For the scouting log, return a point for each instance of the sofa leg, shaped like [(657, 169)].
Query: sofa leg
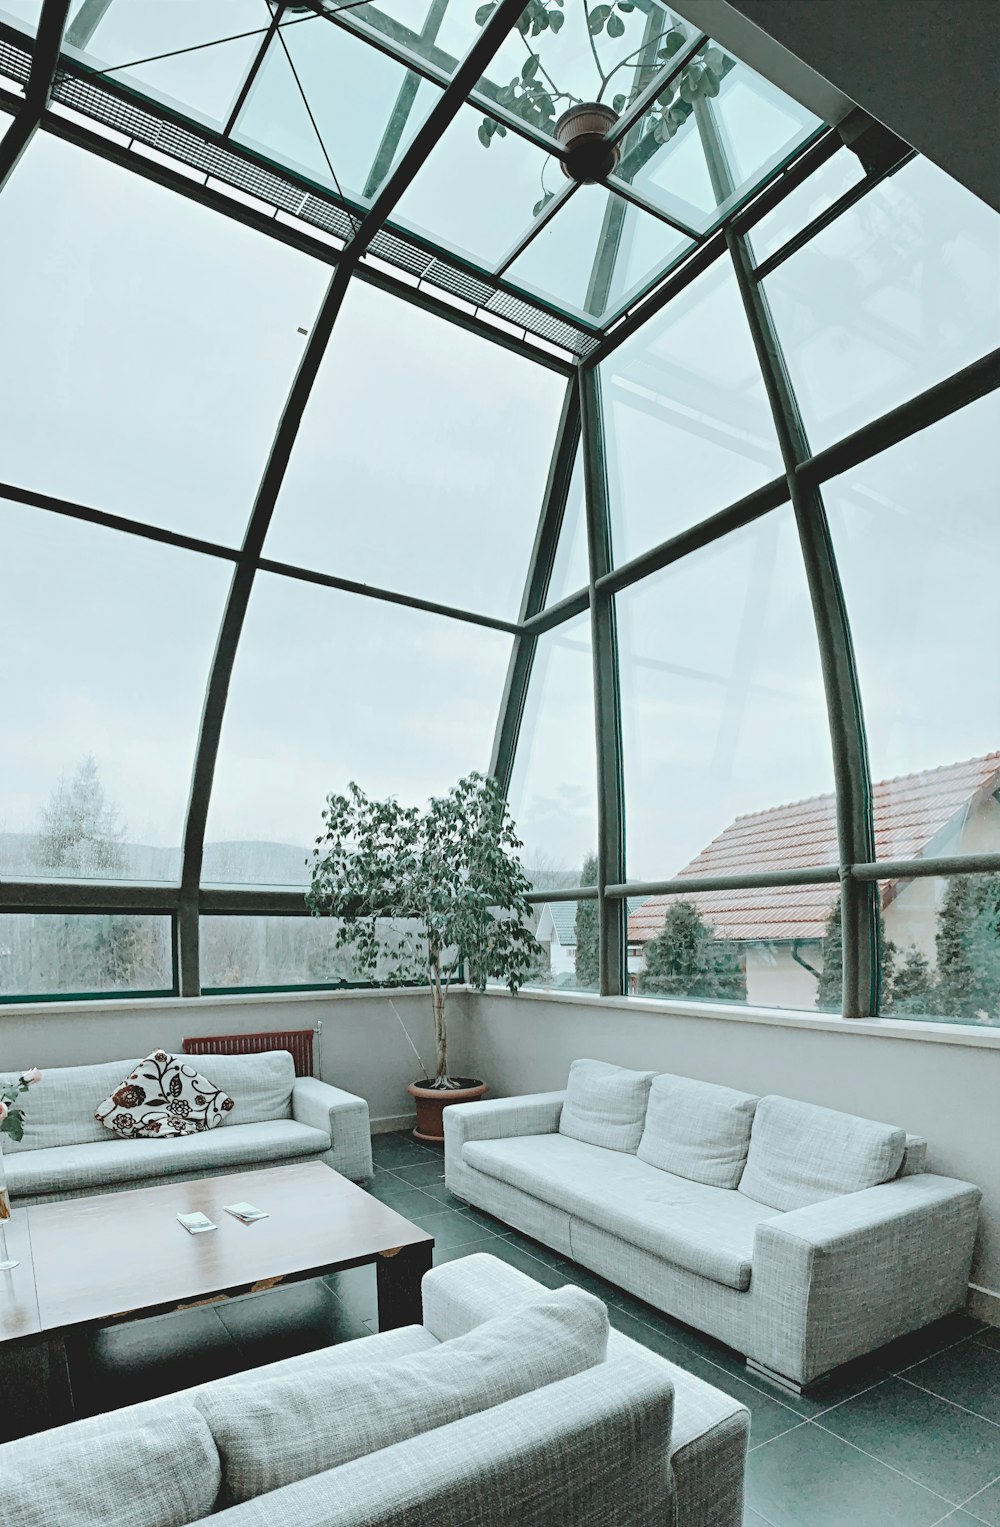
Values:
[(789, 1385)]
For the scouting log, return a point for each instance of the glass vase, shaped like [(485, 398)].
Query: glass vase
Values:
[(6, 1262)]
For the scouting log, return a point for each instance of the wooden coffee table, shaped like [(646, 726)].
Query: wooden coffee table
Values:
[(89, 1262)]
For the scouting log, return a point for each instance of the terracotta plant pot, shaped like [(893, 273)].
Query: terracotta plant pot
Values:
[(585, 155), (432, 1101)]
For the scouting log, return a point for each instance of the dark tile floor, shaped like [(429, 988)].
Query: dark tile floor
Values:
[(909, 1438)]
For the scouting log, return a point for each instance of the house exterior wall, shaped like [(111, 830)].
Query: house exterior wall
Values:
[(775, 979)]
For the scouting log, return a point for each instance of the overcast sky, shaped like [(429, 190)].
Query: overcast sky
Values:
[(148, 347)]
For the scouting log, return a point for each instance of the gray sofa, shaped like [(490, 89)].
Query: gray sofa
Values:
[(453, 1422), (278, 1118), (799, 1236)]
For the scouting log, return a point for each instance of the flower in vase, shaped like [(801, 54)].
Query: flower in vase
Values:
[(4, 1110)]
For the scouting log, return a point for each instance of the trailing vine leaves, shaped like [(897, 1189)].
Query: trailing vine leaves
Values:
[(450, 872), (534, 96)]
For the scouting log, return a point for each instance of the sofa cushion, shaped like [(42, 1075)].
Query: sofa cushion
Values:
[(605, 1105), (697, 1130), (709, 1231), (261, 1085), (65, 1169), (800, 1154), (162, 1097), (154, 1474), (271, 1434), (60, 1109)]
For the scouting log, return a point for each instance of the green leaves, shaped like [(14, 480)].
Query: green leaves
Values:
[(615, 26), (618, 103), (598, 16), (542, 203), (530, 67), (484, 13)]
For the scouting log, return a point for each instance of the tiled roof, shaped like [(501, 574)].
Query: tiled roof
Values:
[(910, 812)]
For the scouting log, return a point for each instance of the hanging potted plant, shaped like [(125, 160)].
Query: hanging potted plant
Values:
[(435, 896)]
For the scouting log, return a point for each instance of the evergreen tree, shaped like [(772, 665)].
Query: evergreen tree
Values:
[(82, 835), (913, 988), (968, 948), (830, 991), (588, 965), (685, 959), (81, 831)]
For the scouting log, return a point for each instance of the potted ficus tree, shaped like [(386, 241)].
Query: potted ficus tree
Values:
[(435, 896)]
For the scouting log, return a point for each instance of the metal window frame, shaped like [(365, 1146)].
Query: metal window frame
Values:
[(858, 870)]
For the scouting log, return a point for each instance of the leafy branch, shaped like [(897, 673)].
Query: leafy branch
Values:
[(534, 95)]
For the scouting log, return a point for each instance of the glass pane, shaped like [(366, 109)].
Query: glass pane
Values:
[(918, 543), (108, 641), (714, 104), (333, 108), (723, 712), (689, 430), (597, 254), (807, 201), (571, 568), (567, 933), (50, 955), (475, 199), (900, 291), (765, 948), (24, 14), (553, 791), (193, 57), (439, 31), (403, 473), (331, 687), (584, 54), (282, 951), (943, 955), (150, 351)]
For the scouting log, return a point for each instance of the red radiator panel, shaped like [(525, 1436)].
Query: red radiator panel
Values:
[(298, 1041)]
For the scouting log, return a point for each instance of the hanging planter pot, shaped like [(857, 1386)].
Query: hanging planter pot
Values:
[(585, 155)]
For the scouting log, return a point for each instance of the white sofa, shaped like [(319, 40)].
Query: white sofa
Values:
[(454, 1422), (278, 1118), (799, 1236)]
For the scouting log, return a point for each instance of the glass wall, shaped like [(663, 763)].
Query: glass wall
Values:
[(735, 663)]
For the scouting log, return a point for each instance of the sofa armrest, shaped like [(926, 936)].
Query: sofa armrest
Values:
[(460, 1295), (537, 1113), (842, 1277), (340, 1115)]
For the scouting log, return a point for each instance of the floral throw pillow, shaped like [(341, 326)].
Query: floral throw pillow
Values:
[(163, 1098)]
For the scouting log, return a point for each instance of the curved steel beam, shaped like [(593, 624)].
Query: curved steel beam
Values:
[(536, 587), (206, 754)]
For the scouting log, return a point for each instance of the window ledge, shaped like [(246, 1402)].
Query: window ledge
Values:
[(970, 1035), (120, 1001)]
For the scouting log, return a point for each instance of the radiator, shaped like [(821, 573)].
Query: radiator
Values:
[(298, 1041)]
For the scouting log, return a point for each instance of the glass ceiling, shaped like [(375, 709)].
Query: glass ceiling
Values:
[(326, 452), (334, 93)]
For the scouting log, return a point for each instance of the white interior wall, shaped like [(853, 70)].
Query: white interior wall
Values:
[(936, 1080), (363, 1047)]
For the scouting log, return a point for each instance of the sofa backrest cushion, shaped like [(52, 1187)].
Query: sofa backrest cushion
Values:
[(272, 1433), (605, 1105), (59, 1110), (697, 1130), (800, 1154), (158, 1473), (259, 1085)]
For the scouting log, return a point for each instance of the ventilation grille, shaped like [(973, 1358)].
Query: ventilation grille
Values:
[(101, 103)]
